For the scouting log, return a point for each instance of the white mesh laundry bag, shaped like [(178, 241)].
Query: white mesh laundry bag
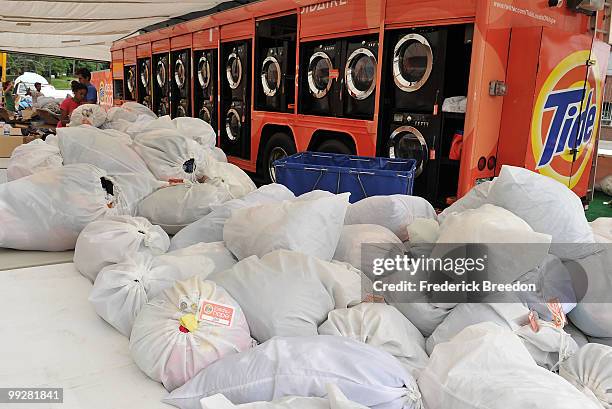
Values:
[(109, 241), (47, 211), (231, 177), (590, 371), (602, 229), (218, 154), (286, 293), (88, 114), (552, 280), (423, 231), (118, 136), (423, 315), (170, 155), (511, 245), (486, 366), (121, 289), (86, 144), (33, 157), (303, 366), (475, 198), (210, 227), (395, 212), (548, 346), (549, 207), (138, 109), (196, 129), (221, 257), (382, 326), (175, 206), (593, 313), (361, 244), (185, 329), (335, 399), (312, 227)]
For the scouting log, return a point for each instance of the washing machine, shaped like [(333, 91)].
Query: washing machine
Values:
[(129, 78), (144, 82), (181, 83), (235, 117), (276, 85), (320, 88), (205, 86), (360, 75), (416, 65), (417, 136), (161, 84)]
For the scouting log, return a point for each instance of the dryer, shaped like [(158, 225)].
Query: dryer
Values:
[(181, 83), (416, 64), (417, 136), (205, 86), (321, 87), (161, 84), (235, 117), (360, 77), (275, 88), (144, 82), (129, 78)]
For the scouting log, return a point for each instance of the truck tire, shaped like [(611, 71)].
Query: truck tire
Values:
[(280, 145), (334, 146)]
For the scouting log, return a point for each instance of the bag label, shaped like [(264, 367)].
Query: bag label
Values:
[(216, 313)]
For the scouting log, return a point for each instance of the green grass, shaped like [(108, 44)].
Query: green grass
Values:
[(61, 83), (597, 208)]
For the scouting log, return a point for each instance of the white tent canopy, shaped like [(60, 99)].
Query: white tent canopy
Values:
[(82, 28)]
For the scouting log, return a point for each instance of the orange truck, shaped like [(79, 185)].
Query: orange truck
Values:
[(462, 87)]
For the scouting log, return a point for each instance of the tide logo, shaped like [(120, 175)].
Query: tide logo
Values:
[(566, 119), (101, 91)]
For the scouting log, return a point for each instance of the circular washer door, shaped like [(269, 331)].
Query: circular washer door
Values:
[(204, 114), (233, 124), (412, 62), (270, 76), (233, 70), (408, 142), (203, 72), (319, 81), (179, 73), (131, 80), (360, 74), (144, 75), (161, 73)]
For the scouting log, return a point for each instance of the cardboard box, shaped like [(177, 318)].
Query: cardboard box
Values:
[(16, 132), (8, 144)]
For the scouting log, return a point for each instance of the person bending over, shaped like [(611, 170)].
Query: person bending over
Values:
[(71, 103)]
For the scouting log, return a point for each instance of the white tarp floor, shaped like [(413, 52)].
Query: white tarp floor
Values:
[(51, 337), (11, 259)]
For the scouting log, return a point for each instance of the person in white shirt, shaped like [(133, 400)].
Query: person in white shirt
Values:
[(36, 93)]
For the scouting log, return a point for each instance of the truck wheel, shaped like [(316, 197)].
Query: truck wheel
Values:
[(334, 146), (280, 145)]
